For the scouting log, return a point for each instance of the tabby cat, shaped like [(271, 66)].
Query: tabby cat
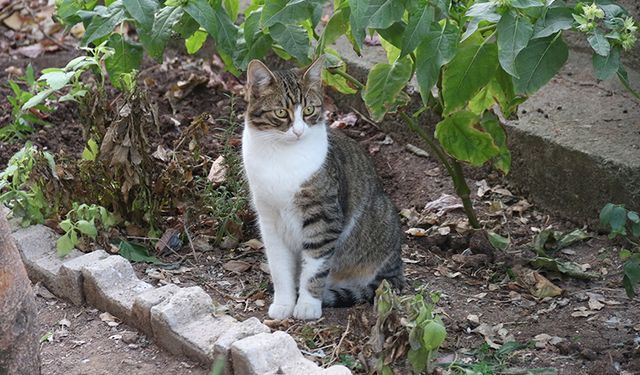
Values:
[(331, 233)]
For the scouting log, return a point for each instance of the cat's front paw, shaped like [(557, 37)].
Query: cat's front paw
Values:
[(308, 310), (280, 312)]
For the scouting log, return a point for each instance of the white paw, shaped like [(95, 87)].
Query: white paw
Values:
[(280, 312), (308, 310)]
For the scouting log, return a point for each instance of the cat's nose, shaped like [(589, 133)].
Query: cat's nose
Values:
[(298, 132)]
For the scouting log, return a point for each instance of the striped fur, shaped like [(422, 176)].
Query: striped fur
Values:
[(331, 233)]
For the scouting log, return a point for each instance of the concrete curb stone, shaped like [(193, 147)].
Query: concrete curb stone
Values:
[(70, 275)]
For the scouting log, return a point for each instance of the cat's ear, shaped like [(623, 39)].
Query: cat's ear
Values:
[(258, 76), (313, 74)]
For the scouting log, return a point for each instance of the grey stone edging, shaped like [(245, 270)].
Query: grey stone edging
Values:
[(180, 320)]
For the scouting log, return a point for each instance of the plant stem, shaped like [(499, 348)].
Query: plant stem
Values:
[(348, 77), (453, 167)]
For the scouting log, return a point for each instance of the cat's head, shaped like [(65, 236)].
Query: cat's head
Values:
[(284, 104)]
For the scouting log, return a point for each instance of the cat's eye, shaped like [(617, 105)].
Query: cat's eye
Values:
[(281, 113), (308, 110)]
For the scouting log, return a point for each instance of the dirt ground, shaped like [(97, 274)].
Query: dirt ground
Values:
[(593, 327)]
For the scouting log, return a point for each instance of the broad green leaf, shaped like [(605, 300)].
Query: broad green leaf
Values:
[(392, 51), (469, 71), (461, 138), (618, 218), (142, 11), (565, 267), (232, 7), (434, 335), (64, 244), (195, 41), (127, 58), (385, 82), (624, 79), (491, 125), (499, 242), (37, 99), (65, 225), (90, 152), (631, 277), (633, 217), (539, 62), (375, 14), (420, 20), (605, 213), (258, 49), (155, 41), (293, 39), (87, 228), (217, 23), (484, 12), (599, 43), (103, 25), (186, 25), (285, 12), (513, 36), (252, 26), (606, 67), (136, 253), (419, 359), (335, 80), (437, 48), (556, 19), (56, 79), (570, 238), (336, 27), (523, 4)]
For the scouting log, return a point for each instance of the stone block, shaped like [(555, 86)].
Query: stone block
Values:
[(70, 276), (222, 347), (266, 353), (37, 245), (111, 285), (144, 301), (184, 324)]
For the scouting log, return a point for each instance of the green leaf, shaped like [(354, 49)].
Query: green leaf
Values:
[(155, 41), (285, 12), (539, 62), (142, 11), (375, 14), (599, 43), (90, 152), (461, 138), (216, 22), (127, 57), (336, 27), (56, 79), (65, 225), (437, 48), (633, 217), (37, 99), (523, 4), (565, 267), (232, 7), (469, 71), (136, 253), (419, 26), (606, 67), (556, 19), (64, 244), (570, 238), (434, 335), (605, 214), (252, 26), (491, 125), (87, 228), (513, 36), (103, 25), (618, 218), (385, 82), (392, 51), (624, 79), (631, 277), (293, 39), (499, 242), (195, 41)]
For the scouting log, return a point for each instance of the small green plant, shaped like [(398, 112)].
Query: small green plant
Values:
[(23, 121), (625, 223), (228, 201), (406, 324), (82, 220), (489, 361), (23, 193)]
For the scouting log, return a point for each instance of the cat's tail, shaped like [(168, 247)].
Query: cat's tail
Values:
[(349, 296)]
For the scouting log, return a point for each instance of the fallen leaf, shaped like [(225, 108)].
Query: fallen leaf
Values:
[(443, 204), (474, 319), (443, 231), (483, 188), (582, 312), (344, 120), (31, 51), (416, 232), (494, 336), (237, 266), (538, 285), (416, 150), (109, 319), (218, 171), (15, 21), (254, 244), (162, 153), (520, 207), (169, 242), (543, 339), (595, 301)]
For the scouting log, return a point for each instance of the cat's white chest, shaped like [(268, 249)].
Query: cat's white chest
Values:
[(276, 170)]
